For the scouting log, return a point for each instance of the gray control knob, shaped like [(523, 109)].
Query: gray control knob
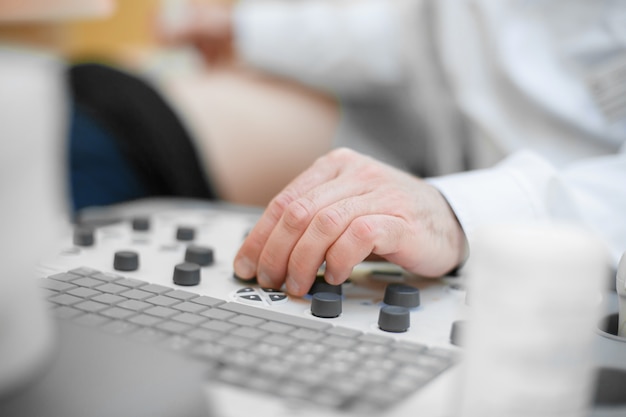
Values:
[(185, 233), (395, 319), (319, 285), (84, 236), (126, 260), (187, 274), (141, 224), (402, 295), (200, 255), (326, 305)]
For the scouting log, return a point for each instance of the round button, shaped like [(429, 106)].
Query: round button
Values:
[(326, 305), (200, 255), (187, 274), (84, 236), (126, 261), (185, 233), (402, 295), (395, 319), (141, 224), (323, 286)]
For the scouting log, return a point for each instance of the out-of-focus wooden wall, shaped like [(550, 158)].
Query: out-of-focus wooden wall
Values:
[(124, 36)]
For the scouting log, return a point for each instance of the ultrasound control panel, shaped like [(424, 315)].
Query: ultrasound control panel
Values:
[(192, 247), (162, 272)]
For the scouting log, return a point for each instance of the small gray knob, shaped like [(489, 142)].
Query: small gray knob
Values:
[(84, 236), (185, 233), (141, 224), (187, 274), (200, 255), (126, 260), (402, 295), (326, 305), (395, 319)]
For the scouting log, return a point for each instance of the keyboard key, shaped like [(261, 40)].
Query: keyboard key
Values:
[(136, 294), (84, 292), (65, 299), (130, 282), (189, 318), (59, 286), (207, 301), (106, 276), (144, 320), (87, 282), (64, 277), (111, 288), (181, 295), (188, 307), (108, 299), (84, 271), (161, 300), (91, 306), (118, 313), (156, 289), (162, 312), (134, 305)]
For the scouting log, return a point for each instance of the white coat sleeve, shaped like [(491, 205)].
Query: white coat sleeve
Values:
[(526, 188), (345, 47)]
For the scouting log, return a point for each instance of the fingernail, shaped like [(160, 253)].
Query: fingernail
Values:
[(292, 286), (329, 278), (244, 268), (264, 280)]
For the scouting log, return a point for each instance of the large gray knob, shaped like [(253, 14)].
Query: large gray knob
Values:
[(319, 285), (395, 319), (326, 305), (402, 295), (200, 255), (187, 274), (126, 260)]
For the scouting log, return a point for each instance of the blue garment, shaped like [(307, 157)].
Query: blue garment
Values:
[(99, 173)]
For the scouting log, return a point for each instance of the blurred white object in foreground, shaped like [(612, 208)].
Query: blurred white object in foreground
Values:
[(534, 300), (32, 120), (620, 285)]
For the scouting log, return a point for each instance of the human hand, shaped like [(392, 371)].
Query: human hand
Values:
[(342, 209), (207, 26)]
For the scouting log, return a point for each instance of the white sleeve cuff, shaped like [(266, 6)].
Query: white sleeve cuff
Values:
[(514, 191)]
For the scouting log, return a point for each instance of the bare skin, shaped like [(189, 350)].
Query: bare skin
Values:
[(341, 210), (209, 27)]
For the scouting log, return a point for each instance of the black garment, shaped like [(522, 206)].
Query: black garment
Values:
[(148, 137)]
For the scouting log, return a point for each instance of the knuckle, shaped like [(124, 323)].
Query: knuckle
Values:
[(341, 154), (280, 203), (328, 221), (297, 215), (370, 172), (362, 230)]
